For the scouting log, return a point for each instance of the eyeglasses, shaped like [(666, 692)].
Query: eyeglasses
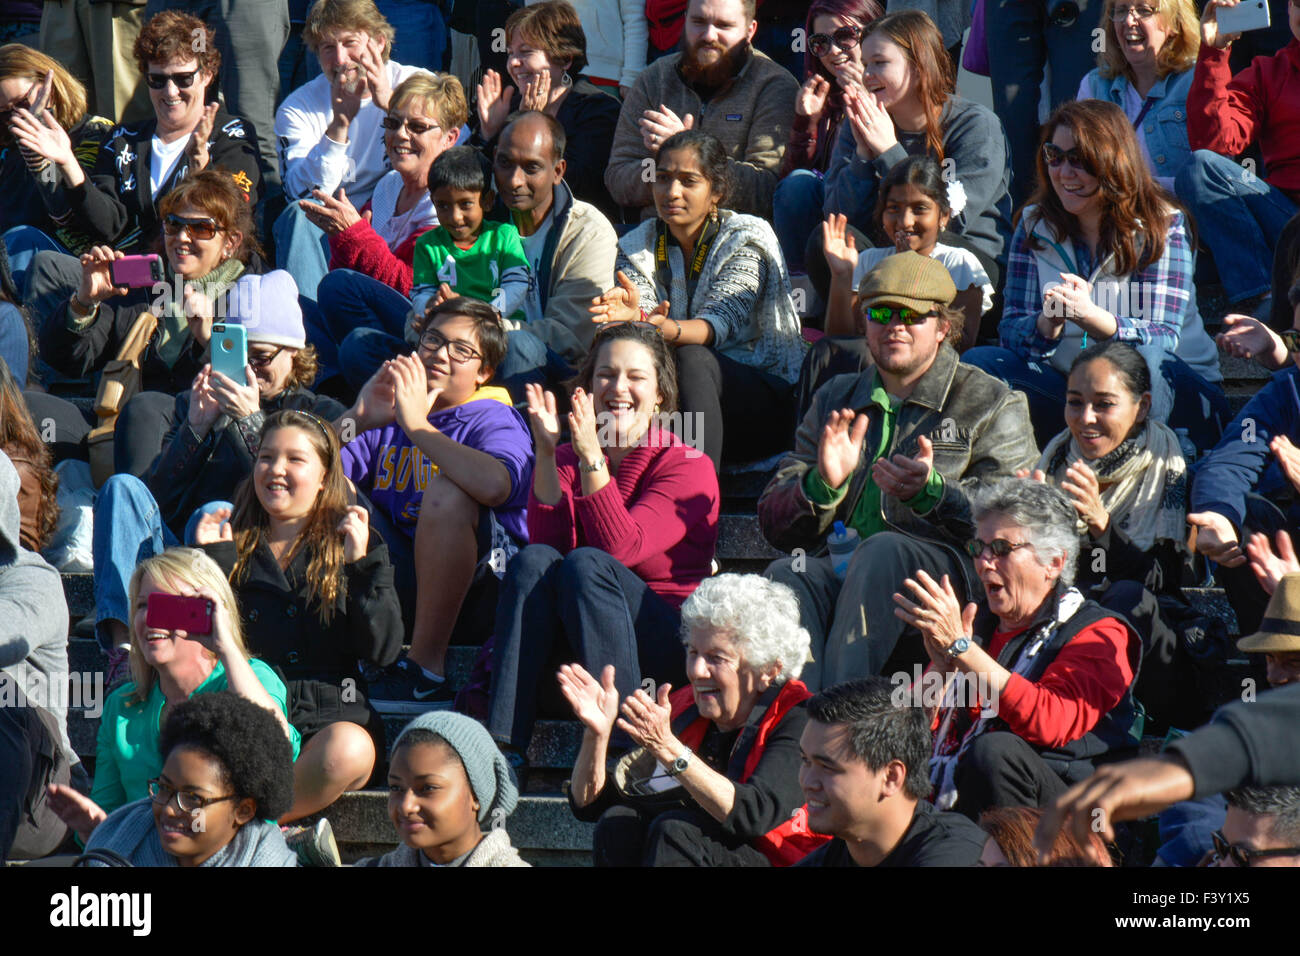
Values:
[(263, 359), (183, 81), (162, 794), (1120, 14), (1243, 855), (1000, 547), (460, 353), (883, 315), (846, 38), (200, 229), (22, 103), (417, 128), (1054, 156)]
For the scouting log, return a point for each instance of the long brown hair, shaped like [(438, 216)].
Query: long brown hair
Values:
[(320, 537), (1012, 828), (936, 80), (21, 441), (1135, 211)]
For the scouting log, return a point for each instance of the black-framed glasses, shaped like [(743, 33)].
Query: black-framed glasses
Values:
[(200, 229), (1000, 547), (394, 123), (183, 81), (162, 794), (884, 314), (460, 352), (1120, 13), (846, 38), (263, 359), (1291, 337), (1243, 855), (1053, 155)]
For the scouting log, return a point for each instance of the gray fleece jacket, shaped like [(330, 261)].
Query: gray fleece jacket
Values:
[(33, 614), (493, 850)]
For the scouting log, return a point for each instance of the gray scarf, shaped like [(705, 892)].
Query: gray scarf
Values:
[(130, 832)]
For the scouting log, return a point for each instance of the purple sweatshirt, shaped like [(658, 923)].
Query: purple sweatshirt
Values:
[(393, 472)]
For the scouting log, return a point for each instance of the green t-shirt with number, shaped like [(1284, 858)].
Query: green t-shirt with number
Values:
[(493, 270)]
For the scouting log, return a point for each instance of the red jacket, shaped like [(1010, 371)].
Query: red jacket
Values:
[(1262, 102), (361, 249), (792, 840)]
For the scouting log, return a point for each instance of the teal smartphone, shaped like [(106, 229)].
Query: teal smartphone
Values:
[(229, 351)]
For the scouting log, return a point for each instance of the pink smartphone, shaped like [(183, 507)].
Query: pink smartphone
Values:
[(136, 272), (176, 612)]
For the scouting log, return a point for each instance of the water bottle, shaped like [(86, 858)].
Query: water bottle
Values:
[(842, 543)]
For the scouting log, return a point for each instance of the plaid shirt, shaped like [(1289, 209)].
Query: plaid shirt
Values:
[(1165, 291)]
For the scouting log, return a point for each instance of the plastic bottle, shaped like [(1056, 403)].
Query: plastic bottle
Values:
[(842, 543)]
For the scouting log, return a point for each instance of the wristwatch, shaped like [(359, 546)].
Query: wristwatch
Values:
[(959, 647), (596, 464), (681, 763)]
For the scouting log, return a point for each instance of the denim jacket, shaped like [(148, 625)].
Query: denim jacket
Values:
[(1164, 128)]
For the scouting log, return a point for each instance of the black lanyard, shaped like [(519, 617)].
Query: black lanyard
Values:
[(664, 273), (1146, 105)]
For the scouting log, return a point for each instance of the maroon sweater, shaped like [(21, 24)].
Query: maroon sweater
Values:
[(1227, 113), (363, 250), (658, 515)]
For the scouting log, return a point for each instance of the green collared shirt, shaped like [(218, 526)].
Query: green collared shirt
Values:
[(869, 517)]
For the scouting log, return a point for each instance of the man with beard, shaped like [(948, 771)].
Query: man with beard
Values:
[(892, 452), (328, 130), (720, 84)]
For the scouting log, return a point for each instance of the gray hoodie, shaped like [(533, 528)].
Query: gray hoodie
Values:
[(33, 614)]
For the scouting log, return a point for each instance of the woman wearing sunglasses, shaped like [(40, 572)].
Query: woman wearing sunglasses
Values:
[(1103, 253), (832, 64), (1047, 691)]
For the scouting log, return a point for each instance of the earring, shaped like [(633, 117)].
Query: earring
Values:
[(656, 408), (565, 79), (713, 212)]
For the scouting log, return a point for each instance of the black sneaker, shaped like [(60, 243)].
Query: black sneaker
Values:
[(403, 689)]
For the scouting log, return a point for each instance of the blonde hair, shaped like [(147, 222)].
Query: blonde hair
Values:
[(359, 15), (67, 95), (197, 570), (440, 92), (1179, 50)]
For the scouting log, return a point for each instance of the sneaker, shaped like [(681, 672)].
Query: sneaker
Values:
[(315, 846), (403, 689)]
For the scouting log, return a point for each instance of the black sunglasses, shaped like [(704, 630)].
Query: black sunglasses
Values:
[(183, 81), (263, 359), (1000, 547), (1054, 156), (884, 314), (200, 229), (846, 38), (1242, 855)]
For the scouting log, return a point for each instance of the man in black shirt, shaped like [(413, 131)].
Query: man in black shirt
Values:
[(864, 777)]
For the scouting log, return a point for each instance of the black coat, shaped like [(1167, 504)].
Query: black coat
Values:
[(282, 626), (190, 472)]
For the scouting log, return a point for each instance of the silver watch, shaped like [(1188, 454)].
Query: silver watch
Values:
[(681, 763), (596, 464)]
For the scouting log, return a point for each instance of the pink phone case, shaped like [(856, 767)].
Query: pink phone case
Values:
[(135, 272), (176, 612)]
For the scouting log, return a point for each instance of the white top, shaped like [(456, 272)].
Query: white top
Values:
[(163, 158), (392, 227), (533, 246), (310, 160), (962, 264)]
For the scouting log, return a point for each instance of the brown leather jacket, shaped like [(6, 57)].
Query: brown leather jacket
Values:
[(980, 430)]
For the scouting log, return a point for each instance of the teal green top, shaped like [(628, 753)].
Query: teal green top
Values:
[(869, 516), (126, 751)]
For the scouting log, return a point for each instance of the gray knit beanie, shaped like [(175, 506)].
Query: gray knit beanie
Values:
[(489, 774)]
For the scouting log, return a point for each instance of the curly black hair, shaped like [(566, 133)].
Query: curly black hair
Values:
[(245, 738)]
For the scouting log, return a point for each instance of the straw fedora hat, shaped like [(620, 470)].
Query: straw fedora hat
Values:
[(1279, 631)]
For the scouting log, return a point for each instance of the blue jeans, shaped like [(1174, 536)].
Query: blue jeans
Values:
[(128, 529), (1197, 405), (528, 359), (585, 607), (302, 249), (422, 38), (1240, 216), (797, 212), (350, 301), (23, 242)]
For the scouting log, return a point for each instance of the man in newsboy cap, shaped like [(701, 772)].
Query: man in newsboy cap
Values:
[(893, 452)]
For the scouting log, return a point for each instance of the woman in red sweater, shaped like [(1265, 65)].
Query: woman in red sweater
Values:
[(622, 523), (1031, 707)]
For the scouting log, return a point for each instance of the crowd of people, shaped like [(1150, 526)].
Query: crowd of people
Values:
[(370, 331)]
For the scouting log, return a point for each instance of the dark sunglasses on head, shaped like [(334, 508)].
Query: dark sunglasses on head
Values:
[(846, 38), (1243, 855), (415, 126), (1054, 156), (1000, 547), (197, 228), (883, 315), (183, 81)]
